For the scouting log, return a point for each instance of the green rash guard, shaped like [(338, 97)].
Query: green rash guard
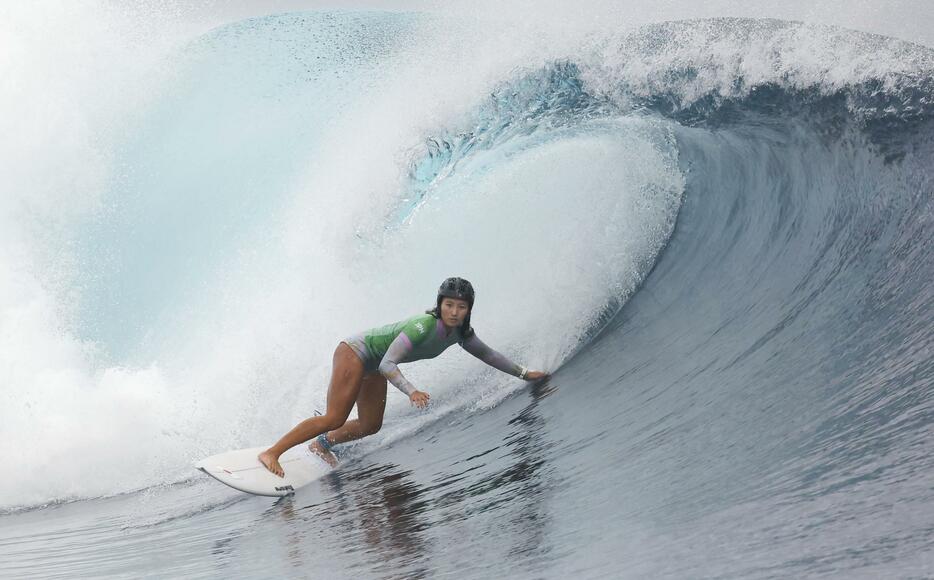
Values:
[(417, 338)]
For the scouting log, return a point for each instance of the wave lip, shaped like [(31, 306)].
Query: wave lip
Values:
[(688, 68)]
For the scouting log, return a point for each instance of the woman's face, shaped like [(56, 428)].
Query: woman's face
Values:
[(453, 311)]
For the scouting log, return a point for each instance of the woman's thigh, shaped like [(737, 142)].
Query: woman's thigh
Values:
[(346, 380), (371, 402)]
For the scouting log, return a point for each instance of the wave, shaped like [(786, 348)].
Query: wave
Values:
[(747, 188)]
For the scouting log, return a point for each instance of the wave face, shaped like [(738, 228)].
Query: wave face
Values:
[(774, 369), (719, 231)]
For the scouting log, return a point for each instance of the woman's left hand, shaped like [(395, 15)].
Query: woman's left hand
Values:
[(536, 375)]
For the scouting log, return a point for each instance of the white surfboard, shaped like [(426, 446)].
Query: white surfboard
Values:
[(242, 470)]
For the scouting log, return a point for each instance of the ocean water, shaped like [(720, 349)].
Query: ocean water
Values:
[(715, 232)]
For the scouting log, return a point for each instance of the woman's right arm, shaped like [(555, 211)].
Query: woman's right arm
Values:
[(389, 368)]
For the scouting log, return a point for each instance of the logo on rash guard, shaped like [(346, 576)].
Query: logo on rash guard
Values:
[(420, 327)]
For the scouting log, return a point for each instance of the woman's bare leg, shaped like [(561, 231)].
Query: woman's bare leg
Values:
[(346, 379), (371, 403)]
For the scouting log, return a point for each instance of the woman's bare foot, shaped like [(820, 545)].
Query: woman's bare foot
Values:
[(323, 453), (271, 462)]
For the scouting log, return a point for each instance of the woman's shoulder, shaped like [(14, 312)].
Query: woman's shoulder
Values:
[(418, 326), (466, 334), (425, 318)]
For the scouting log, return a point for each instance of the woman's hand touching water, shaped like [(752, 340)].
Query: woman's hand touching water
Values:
[(419, 399), (536, 375)]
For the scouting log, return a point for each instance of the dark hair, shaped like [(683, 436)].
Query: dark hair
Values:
[(466, 329)]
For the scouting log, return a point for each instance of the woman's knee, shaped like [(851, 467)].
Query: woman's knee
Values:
[(372, 427), (332, 422)]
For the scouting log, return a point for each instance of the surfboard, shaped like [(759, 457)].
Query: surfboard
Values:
[(241, 470)]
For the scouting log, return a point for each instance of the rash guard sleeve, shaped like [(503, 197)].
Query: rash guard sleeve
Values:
[(476, 347), (413, 333), (389, 366)]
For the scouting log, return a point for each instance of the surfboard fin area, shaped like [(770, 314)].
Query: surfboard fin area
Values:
[(241, 470)]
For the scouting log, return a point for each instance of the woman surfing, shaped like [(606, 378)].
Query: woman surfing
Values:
[(364, 362)]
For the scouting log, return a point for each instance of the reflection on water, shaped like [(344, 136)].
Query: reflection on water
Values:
[(384, 519)]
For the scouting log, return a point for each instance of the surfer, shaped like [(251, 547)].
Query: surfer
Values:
[(363, 363)]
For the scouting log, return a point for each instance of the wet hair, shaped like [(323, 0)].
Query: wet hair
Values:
[(466, 329)]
